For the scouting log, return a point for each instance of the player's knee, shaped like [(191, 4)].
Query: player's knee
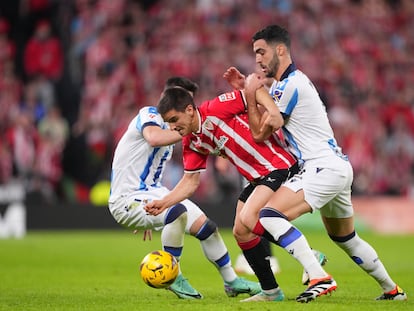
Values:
[(206, 230), (175, 212), (271, 212), (342, 239)]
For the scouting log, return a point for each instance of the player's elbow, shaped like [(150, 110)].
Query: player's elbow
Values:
[(154, 143), (260, 136)]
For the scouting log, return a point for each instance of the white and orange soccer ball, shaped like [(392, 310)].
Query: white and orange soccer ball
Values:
[(159, 269)]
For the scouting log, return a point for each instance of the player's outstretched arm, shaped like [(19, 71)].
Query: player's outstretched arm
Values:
[(183, 190), (264, 116), (156, 136)]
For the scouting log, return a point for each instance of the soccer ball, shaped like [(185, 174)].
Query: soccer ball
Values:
[(159, 269)]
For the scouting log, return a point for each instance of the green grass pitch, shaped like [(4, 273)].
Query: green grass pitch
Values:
[(98, 270)]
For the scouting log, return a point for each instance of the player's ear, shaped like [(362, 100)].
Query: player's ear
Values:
[(189, 108), (281, 49)]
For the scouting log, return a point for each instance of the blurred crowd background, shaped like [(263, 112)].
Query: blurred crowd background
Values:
[(74, 72)]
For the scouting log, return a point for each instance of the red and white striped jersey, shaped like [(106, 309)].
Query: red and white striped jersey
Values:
[(224, 131)]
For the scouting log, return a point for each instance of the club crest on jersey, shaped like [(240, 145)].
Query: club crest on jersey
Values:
[(208, 125), (277, 94), (197, 142), (227, 97)]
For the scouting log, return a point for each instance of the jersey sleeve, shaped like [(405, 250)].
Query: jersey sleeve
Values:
[(193, 161), (148, 116)]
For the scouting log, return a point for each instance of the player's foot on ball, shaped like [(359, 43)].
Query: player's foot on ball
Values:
[(317, 287), (396, 294), (182, 288), (241, 286), (262, 296), (321, 257)]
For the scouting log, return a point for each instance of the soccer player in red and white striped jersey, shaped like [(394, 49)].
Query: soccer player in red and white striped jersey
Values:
[(220, 127)]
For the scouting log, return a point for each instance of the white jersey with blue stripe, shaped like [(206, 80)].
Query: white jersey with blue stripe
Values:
[(136, 165), (307, 130)]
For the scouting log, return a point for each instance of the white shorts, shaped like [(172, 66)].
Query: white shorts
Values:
[(326, 183), (129, 210)]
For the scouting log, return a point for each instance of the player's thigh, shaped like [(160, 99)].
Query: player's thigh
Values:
[(249, 214), (289, 201), (131, 214), (338, 214)]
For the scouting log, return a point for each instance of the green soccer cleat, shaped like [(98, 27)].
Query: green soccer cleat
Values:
[(241, 286), (278, 296), (182, 288), (396, 294)]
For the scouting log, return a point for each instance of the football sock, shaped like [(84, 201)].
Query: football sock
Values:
[(257, 257), (267, 247), (366, 257), (215, 250), (291, 239), (172, 235)]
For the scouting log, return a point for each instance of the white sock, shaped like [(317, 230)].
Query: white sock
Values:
[(295, 243), (216, 252), (366, 257), (172, 236)]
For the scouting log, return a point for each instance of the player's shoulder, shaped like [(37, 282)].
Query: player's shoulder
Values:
[(146, 116), (147, 110), (295, 80)]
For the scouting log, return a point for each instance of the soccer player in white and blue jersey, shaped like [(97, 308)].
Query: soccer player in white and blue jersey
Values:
[(325, 181), (139, 161)]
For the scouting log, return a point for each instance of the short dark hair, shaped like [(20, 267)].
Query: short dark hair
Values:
[(273, 34), (181, 82), (174, 98)]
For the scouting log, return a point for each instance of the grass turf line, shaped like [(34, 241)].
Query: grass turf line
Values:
[(98, 270)]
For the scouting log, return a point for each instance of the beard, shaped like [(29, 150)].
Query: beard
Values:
[(273, 67)]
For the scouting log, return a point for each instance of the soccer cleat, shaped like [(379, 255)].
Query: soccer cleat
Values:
[(396, 294), (278, 296), (241, 286), (321, 257), (182, 288), (317, 287)]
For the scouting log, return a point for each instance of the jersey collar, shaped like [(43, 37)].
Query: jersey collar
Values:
[(288, 71), (199, 122)]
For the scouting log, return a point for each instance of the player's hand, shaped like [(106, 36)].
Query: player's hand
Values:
[(235, 78), (253, 82), (270, 121), (147, 234), (154, 207)]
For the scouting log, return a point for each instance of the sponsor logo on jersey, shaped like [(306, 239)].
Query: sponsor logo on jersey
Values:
[(227, 97), (220, 144), (151, 116)]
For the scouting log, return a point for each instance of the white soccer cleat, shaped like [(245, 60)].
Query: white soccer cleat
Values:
[(317, 287)]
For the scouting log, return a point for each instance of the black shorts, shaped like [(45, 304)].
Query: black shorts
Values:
[(273, 180)]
